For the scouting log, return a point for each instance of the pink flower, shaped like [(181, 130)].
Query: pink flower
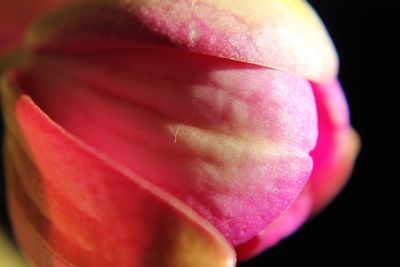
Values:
[(171, 133)]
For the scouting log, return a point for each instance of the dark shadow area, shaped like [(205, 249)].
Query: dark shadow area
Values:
[(4, 222), (361, 226)]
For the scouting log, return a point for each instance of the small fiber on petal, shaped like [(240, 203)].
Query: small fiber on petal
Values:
[(78, 208), (229, 139)]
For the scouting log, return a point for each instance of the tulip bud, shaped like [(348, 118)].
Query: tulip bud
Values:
[(171, 133)]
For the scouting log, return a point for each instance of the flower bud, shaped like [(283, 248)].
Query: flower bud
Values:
[(169, 133)]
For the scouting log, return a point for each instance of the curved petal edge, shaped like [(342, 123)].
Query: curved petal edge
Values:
[(334, 158), (285, 35), (77, 208)]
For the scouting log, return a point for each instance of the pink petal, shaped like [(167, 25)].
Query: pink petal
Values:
[(336, 149), (74, 207), (230, 140), (334, 156), (281, 228), (285, 35)]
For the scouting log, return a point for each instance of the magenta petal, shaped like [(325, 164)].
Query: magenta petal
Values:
[(333, 157), (229, 139), (337, 146), (281, 228)]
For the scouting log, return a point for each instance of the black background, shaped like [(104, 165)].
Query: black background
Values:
[(361, 225)]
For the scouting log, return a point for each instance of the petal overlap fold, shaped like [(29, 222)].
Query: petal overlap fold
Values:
[(79, 208), (334, 157), (286, 35), (229, 139)]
